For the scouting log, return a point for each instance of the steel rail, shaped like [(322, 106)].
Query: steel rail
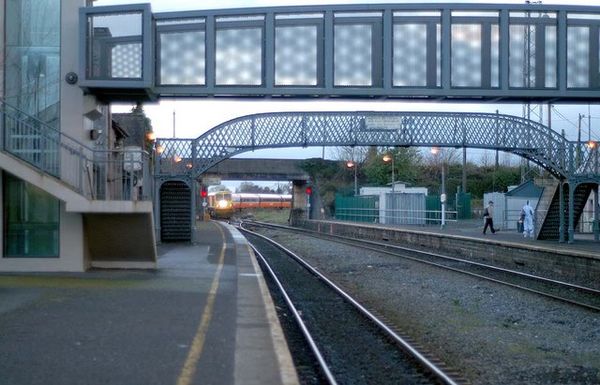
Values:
[(420, 358), (380, 247), (309, 338)]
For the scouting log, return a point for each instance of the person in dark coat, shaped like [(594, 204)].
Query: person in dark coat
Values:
[(488, 218)]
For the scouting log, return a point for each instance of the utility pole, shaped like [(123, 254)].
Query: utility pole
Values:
[(578, 155), (589, 124), (173, 124), (464, 171)]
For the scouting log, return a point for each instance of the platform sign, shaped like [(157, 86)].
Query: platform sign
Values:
[(383, 123)]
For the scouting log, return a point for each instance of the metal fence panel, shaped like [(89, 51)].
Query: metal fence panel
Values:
[(357, 209), (404, 209)]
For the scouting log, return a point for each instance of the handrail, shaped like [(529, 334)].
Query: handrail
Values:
[(4, 104), (121, 174)]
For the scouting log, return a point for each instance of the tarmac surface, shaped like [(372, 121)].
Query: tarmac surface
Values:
[(201, 318)]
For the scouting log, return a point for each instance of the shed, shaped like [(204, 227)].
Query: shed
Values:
[(516, 199)]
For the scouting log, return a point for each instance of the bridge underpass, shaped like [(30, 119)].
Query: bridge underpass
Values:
[(426, 51)]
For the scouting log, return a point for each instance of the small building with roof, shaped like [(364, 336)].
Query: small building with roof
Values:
[(515, 199)]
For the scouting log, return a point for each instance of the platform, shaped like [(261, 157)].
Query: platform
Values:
[(204, 317), (584, 243)]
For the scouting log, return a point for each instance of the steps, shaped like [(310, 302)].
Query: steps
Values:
[(175, 203), (551, 221)]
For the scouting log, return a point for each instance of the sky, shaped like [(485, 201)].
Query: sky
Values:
[(194, 117)]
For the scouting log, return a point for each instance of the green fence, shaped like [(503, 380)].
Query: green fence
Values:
[(459, 203), (433, 209), (357, 209), (463, 205)]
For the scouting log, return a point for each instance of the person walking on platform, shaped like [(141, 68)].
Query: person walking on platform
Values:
[(527, 213), (488, 218)]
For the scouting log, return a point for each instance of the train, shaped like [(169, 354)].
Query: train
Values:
[(219, 204), (222, 204)]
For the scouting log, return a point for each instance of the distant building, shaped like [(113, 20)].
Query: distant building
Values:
[(136, 125), (399, 187), (405, 206), (507, 206)]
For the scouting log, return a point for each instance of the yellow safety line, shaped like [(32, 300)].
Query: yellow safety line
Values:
[(189, 368)]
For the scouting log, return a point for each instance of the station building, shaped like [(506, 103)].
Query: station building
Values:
[(69, 195)]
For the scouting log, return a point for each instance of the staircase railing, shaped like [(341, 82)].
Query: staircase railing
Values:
[(121, 174)]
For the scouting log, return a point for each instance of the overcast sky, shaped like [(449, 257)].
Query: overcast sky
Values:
[(193, 117)]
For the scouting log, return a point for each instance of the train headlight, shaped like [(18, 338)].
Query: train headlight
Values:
[(222, 204)]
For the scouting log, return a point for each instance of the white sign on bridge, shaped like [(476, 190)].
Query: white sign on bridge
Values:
[(211, 180), (383, 122)]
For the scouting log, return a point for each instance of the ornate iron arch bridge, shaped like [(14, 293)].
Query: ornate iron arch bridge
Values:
[(575, 164), (567, 160)]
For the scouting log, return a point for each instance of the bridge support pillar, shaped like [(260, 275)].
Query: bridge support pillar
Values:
[(300, 208), (571, 230)]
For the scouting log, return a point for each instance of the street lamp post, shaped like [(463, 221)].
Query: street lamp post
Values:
[(352, 164), (435, 151), (390, 158)]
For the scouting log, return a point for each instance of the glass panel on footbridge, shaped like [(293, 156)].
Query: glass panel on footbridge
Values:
[(182, 49), (417, 49), (356, 49), (533, 50), (296, 55), (578, 52), (115, 46), (239, 51)]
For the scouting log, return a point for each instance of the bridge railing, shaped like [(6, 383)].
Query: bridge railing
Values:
[(96, 174)]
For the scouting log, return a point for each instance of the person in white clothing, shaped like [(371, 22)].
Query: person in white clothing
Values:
[(527, 214)]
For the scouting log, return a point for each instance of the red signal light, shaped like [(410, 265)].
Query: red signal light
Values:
[(203, 193), (308, 190)]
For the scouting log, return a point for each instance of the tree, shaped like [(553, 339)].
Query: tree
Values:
[(407, 162), (330, 177), (251, 188)]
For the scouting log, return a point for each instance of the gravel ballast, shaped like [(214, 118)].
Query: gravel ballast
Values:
[(490, 333)]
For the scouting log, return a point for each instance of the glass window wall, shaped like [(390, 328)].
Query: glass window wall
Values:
[(32, 84), (31, 220), (32, 72)]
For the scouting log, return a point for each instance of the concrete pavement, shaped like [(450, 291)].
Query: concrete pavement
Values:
[(202, 317)]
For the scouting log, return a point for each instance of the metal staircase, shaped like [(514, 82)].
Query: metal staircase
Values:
[(548, 209), (175, 201)]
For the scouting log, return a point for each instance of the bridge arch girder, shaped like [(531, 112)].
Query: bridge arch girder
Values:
[(525, 138)]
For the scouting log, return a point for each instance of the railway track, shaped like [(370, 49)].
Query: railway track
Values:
[(588, 298), (352, 345)]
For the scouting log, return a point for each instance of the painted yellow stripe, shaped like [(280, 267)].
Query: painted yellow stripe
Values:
[(189, 367)]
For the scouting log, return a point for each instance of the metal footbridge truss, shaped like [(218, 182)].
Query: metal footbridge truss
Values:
[(565, 159)]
